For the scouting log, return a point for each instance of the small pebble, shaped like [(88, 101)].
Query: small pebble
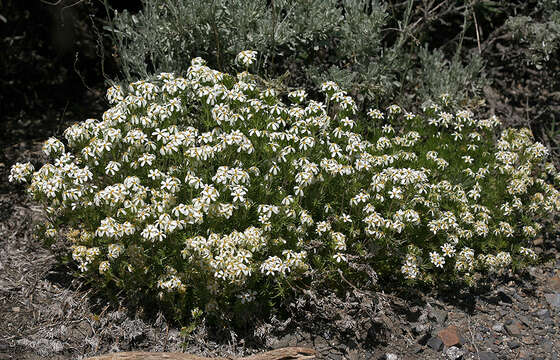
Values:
[(487, 355), (454, 353), (498, 327)]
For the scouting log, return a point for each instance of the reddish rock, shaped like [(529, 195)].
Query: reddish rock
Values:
[(514, 328), (554, 283), (450, 336)]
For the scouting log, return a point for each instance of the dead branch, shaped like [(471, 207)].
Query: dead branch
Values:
[(289, 353)]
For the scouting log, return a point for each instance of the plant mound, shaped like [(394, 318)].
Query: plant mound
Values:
[(211, 192)]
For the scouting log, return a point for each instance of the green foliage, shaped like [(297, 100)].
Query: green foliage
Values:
[(217, 192), (360, 44), (442, 76), (540, 38)]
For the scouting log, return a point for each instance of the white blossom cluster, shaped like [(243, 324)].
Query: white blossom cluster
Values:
[(225, 182)]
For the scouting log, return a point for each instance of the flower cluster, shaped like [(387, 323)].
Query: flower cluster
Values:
[(210, 186)]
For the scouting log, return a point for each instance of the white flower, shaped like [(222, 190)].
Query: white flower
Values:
[(112, 168), (53, 146), (20, 172), (339, 257), (247, 57), (395, 193), (437, 259)]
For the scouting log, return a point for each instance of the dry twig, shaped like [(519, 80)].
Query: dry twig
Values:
[(289, 353)]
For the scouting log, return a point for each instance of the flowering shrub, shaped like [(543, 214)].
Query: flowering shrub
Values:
[(211, 191)]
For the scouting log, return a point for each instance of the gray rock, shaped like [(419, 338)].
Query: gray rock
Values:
[(454, 353), (438, 315), (547, 346), (513, 344), (543, 314), (553, 300), (435, 343), (423, 318), (320, 343), (498, 327), (285, 341), (390, 356), (487, 355), (335, 356), (359, 355), (525, 320), (420, 328)]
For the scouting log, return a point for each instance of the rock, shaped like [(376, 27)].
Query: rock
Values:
[(335, 356), (435, 343), (525, 320), (498, 327), (422, 318), (553, 300), (540, 332), (320, 343), (359, 355), (543, 314), (517, 297), (554, 283), (390, 356), (449, 336), (513, 344), (514, 328), (547, 346), (420, 328), (438, 315), (454, 353), (527, 340), (487, 355), (285, 341)]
